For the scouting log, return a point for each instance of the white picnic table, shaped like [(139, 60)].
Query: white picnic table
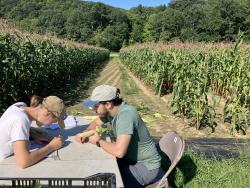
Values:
[(76, 160)]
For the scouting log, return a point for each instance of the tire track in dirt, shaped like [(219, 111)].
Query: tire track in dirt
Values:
[(108, 79), (117, 80), (113, 72), (109, 73), (110, 67)]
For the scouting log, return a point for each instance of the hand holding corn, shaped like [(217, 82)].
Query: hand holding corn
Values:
[(94, 138), (82, 137)]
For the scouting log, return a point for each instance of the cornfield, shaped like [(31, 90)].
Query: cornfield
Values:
[(197, 77), (39, 67)]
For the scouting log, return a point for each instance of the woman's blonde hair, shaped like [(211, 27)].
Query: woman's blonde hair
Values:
[(35, 101)]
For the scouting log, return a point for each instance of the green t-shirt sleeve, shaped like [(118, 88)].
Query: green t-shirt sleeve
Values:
[(125, 124)]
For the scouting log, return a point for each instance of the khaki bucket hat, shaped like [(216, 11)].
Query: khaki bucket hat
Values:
[(101, 93), (56, 106)]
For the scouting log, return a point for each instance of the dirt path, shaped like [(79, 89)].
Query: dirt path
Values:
[(155, 112)]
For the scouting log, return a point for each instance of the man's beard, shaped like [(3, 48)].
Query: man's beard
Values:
[(103, 115)]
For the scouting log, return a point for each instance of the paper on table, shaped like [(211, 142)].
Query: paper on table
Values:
[(70, 121)]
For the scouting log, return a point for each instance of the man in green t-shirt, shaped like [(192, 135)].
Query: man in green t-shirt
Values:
[(136, 153)]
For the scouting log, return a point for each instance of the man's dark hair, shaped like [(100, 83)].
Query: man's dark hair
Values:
[(117, 101)]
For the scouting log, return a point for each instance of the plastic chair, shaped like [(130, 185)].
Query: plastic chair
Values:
[(173, 146)]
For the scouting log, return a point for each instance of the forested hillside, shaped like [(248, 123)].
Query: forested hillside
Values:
[(94, 23), (112, 28)]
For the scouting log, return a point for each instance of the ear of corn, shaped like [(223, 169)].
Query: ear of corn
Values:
[(99, 129), (87, 134)]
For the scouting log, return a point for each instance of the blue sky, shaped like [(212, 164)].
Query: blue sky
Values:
[(127, 4)]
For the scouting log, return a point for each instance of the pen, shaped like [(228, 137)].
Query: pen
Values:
[(57, 153)]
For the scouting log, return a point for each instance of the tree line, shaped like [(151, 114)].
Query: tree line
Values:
[(112, 28)]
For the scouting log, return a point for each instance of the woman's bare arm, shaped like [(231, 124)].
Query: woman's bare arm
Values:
[(24, 158)]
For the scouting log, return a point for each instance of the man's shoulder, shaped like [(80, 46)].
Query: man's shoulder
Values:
[(127, 108), (128, 112)]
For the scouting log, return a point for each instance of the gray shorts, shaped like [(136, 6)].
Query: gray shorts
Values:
[(137, 175)]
